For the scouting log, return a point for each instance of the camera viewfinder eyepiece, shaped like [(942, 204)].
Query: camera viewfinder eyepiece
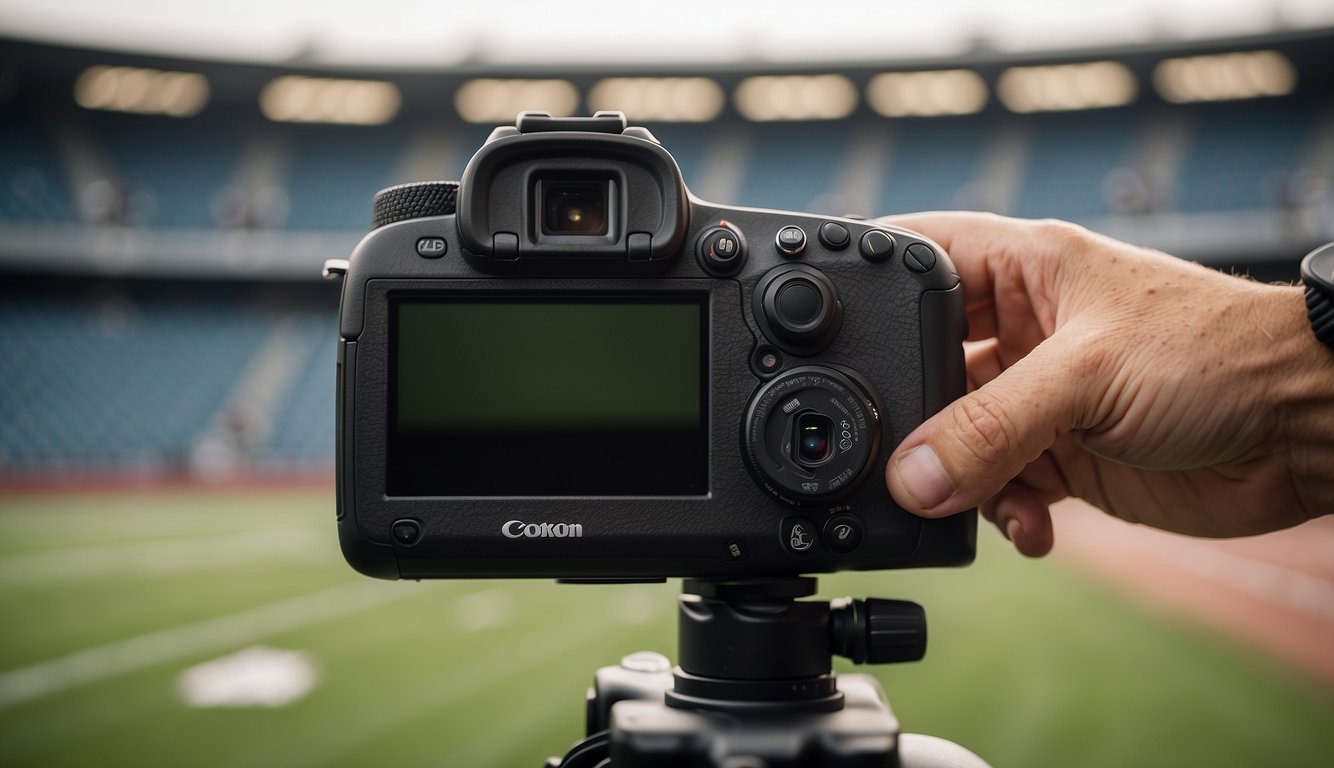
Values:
[(574, 208)]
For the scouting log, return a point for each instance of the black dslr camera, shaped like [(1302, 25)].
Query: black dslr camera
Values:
[(568, 366)]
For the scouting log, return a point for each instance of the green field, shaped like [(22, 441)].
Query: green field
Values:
[(105, 599)]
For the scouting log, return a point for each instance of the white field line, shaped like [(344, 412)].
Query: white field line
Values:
[(488, 609), (167, 556), (514, 656), (211, 635), (178, 516)]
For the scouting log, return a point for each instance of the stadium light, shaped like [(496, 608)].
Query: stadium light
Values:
[(299, 99), (1065, 87), (927, 94), (497, 101), (796, 97), (665, 99), (1225, 77), (140, 90)]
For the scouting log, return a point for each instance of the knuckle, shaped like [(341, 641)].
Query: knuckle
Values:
[(1091, 353), (1062, 234), (985, 430), (1055, 241), (1091, 365)]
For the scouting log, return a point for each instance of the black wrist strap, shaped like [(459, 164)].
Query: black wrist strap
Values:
[(1318, 277)]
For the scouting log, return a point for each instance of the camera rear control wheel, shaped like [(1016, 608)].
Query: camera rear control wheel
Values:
[(811, 434)]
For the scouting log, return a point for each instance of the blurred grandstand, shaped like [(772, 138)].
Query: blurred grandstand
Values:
[(163, 221)]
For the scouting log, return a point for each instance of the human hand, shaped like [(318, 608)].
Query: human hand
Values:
[(1159, 390)]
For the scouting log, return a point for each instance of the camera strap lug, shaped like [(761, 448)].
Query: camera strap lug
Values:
[(335, 269)]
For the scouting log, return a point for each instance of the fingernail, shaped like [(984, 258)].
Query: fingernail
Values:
[(1013, 528), (924, 477)]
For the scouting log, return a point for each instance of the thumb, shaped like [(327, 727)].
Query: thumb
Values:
[(965, 454)]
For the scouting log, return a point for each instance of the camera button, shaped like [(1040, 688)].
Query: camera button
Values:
[(919, 258), (843, 532), (736, 550), (406, 531), (798, 535), (721, 250), (724, 246), (791, 241), (834, 235), (877, 246), (767, 360), (432, 247)]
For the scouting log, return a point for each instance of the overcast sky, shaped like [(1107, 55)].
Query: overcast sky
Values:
[(431, 33)]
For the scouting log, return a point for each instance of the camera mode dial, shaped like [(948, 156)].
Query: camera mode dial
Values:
[(798, 309), (811, 434), (414, 201)]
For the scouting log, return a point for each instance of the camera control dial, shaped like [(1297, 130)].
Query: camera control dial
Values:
[(811, 434)]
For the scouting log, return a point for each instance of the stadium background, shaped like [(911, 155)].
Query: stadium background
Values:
[(166, 429)]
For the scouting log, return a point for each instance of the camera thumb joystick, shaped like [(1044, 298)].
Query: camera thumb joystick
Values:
[(798, 308)]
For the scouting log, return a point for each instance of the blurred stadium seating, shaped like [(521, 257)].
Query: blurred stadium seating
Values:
[(124, 383), (115, 374), (32, 188), (1243, 159), (303, 430)]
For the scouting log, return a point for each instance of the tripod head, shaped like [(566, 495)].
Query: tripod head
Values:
[(754, 645), (755, 687)]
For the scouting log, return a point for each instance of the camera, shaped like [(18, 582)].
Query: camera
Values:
[(568, 366)]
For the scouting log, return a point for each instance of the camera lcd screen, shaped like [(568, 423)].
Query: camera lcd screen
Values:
[(580, 396)]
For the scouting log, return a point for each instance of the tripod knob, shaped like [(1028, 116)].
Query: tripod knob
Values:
[(877, 631)]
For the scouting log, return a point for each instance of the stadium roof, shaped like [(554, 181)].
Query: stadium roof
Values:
[(441, 33)]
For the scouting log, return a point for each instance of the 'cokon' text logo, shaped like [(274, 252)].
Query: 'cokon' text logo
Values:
[(518, 529)]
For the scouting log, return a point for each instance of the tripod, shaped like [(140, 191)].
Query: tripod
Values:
[(755, 687)]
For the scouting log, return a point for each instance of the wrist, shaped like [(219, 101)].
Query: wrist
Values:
[(1304, 400)]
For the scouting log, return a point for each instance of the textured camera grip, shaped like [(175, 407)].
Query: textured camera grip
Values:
[(414, 201)]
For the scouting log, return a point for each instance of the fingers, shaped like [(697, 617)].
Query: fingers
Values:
[(1030, 377), (951, 228), (972, 255), (1012, 269), (1024, 518), (974, 241), (969, 451), (981, 359), (1021, 510)]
